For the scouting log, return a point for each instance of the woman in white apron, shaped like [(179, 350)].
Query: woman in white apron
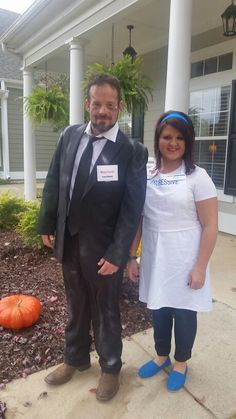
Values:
[(179, 231)]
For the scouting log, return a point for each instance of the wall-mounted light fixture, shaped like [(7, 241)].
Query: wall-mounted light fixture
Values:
[(212, 148), (229, 20)]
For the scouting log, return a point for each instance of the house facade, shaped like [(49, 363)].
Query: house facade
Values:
[(11, 120), (192, 65)]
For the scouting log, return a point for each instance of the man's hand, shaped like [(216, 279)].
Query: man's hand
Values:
[(48, 240), (107, 268)]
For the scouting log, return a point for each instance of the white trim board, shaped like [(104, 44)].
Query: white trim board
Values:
[(20, 175), (223, 197), (227, 223)]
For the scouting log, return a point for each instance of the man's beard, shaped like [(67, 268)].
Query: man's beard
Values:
[(99, 127)]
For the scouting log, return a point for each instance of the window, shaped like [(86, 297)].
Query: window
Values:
[(212, 65), (125, 124), (225, 62), (197, 69), (133, 124), (230, 176), (209, 111)]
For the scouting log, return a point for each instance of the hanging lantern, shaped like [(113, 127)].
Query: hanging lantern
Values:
[(130, 50), (229, 20)]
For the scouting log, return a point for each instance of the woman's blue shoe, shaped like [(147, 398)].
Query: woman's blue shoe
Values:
[(176, 380), (151, 368)]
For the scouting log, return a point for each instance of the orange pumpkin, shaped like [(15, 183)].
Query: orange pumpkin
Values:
[(18, 311)]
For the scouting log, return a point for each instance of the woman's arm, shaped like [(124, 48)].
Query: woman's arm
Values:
[(132, 266), (208, 216)]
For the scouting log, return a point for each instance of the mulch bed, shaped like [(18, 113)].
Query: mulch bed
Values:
[(41, 346)]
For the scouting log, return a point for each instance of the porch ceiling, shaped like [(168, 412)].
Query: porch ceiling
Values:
[(42, 31)]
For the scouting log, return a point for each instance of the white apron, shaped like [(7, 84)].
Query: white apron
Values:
[(170, 245)]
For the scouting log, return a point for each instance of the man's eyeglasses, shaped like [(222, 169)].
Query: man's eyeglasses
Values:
[(109, 106)]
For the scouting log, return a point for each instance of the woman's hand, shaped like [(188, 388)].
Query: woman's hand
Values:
[(133, 270), (197, 278)]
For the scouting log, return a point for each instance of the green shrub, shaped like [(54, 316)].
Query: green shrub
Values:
[(10, 209), (27, 226), (5, 181)]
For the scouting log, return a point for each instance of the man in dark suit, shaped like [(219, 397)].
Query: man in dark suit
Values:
[(92, 202)]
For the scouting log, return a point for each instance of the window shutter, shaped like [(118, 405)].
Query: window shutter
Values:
[(138, 123), (230, 178)]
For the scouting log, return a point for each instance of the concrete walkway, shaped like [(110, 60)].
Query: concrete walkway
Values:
[(210, 390), (17, 189)]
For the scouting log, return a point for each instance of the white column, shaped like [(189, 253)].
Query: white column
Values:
[(29, 142), (76, 78), (5, 138), (179, 56)]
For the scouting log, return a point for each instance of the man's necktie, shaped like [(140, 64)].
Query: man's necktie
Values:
[(79, 186)]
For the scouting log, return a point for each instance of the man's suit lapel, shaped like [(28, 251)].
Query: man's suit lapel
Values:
[(107, 155), (71, 150), (72, 146)]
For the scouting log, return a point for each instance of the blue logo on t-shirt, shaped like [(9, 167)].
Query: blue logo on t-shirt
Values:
[(161, 182)]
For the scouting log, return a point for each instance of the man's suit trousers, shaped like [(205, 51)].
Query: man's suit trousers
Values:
[(92, 300)]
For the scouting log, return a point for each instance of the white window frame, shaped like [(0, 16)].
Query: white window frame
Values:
[(213, 137), (220, 79)]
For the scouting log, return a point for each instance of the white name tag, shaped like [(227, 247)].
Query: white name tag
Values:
[(178, 178), (107, 173)]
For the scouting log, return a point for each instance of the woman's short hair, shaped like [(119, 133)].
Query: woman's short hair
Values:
[(181, 122)]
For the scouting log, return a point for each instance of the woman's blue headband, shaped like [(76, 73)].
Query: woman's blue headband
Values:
[(175, 115)]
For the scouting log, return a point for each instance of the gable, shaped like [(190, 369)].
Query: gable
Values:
[(10, 64), (7, 18)]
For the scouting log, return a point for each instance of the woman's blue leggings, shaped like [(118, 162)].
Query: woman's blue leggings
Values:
[(185, 329)]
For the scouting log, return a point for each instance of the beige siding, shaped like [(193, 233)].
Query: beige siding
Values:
[(15, 129), (1, 159), (46, 141)]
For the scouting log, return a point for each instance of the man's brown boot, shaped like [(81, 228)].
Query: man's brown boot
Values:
[(107, 387), (64, 373)]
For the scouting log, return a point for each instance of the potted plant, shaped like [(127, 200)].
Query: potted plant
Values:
[(49, 102), (136, 87)]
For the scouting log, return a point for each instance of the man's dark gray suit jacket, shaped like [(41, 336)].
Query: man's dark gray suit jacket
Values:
[(109, 212)]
